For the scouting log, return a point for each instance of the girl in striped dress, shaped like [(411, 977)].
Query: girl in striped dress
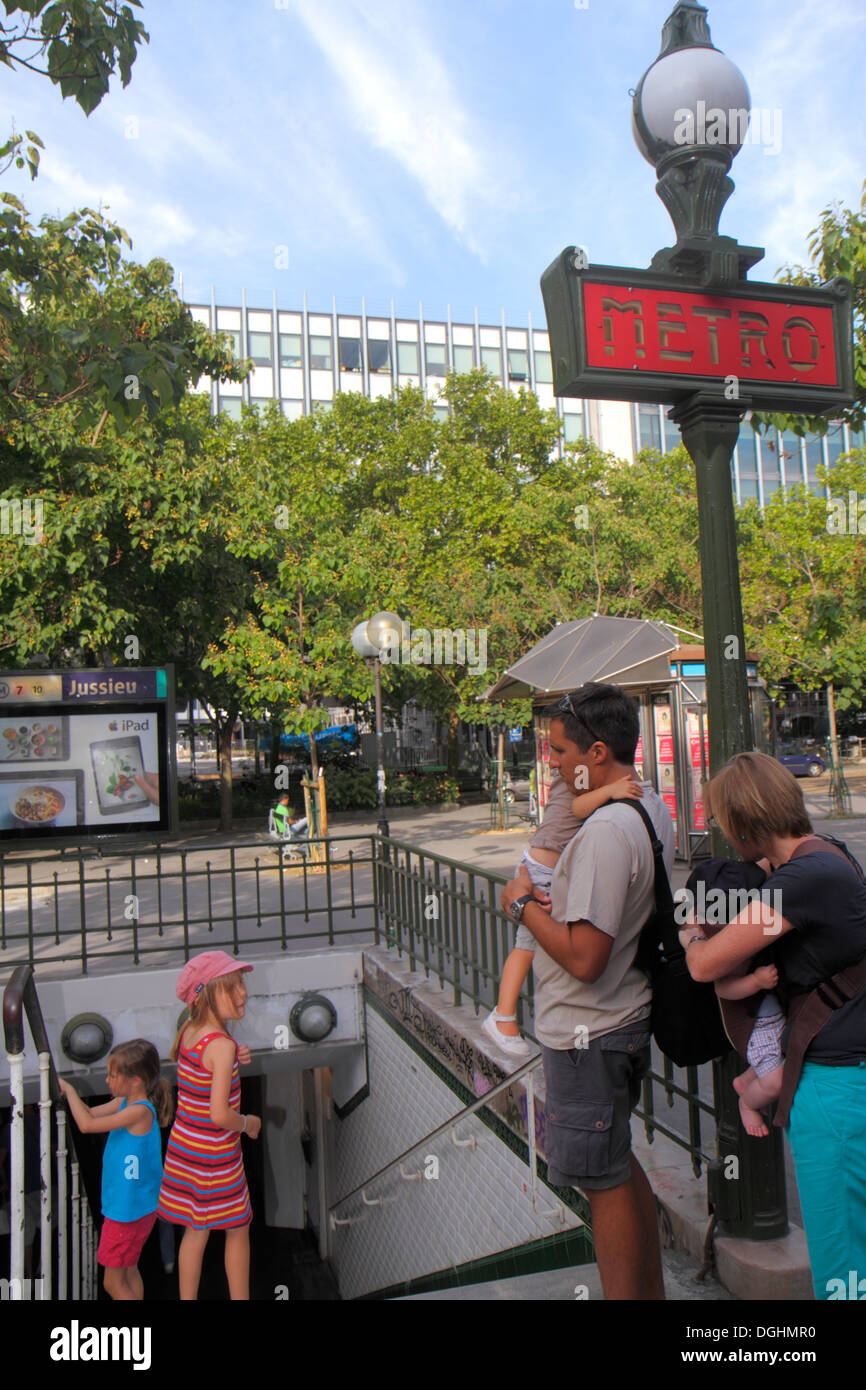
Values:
[(203, 1186)]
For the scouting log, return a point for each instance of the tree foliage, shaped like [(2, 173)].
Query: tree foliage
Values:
[(76, 44), (837, 246)]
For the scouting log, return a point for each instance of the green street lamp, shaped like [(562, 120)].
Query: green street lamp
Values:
[(693, 332), (689, 119)]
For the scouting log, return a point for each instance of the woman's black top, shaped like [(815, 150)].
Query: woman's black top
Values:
[(825, 902)]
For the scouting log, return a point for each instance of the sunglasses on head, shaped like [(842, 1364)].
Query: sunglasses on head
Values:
[(567, 704)]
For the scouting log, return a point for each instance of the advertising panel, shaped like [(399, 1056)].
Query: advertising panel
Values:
[(86, 754)]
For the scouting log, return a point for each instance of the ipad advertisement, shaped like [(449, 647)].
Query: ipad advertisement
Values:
[(82, 767)]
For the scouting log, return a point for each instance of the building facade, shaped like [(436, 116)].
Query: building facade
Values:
[(303, 357)]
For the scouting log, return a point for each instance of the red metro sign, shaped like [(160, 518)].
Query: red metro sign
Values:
[(623, 334)]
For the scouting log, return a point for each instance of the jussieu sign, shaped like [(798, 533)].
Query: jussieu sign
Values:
[(635, 335)]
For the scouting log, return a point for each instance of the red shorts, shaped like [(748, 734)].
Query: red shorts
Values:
[(122, 1242)]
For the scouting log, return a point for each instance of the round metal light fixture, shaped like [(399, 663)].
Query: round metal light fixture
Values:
[(384, 631), (86, 1038), (312, 1018), (693, 97), (361, 643)]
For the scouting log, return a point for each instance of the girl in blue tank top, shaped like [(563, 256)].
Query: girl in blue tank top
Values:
[(132, 1160)]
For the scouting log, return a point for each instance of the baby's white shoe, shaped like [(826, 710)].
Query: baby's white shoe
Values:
[(516, 1046)]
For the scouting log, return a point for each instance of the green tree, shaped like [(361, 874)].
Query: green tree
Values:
[(804, 587), (76, 44), (837, 246)]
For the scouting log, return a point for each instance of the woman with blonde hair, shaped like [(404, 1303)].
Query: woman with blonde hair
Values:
[(817, 926)]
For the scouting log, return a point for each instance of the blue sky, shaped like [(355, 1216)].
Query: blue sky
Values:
[(438, 152)]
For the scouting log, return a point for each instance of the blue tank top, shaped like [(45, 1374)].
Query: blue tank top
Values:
[(131, 1171)]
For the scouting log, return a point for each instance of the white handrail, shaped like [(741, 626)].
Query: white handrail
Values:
[(45, 1170), (16, 1175), (62, 1213), (76, 1232), (558, 1211)]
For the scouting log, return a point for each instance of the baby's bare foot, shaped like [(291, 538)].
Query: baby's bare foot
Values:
[(752, 1121)]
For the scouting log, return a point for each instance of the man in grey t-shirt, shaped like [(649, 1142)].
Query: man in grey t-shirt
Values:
[(591, 1002)]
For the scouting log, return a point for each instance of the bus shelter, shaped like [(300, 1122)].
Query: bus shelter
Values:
[(666, 677)]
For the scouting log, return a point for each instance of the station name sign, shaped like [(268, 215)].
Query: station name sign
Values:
[(635, 335), (69, 687)]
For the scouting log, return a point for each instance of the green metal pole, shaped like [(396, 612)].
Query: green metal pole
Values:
[(747, 1182)]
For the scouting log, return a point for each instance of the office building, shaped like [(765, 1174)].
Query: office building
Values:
[(302, 357)]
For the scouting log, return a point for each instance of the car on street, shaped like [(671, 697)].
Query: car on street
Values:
[(802, 764)]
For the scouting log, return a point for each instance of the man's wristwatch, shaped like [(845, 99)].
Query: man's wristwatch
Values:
[(515, 911)]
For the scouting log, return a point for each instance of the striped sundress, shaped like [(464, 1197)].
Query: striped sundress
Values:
[(203, 1183)]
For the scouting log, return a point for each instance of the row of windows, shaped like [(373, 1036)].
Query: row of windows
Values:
[(762, 463), (380, 358)]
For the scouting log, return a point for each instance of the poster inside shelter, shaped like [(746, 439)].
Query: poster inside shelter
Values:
[(85, 770), (85, 753)]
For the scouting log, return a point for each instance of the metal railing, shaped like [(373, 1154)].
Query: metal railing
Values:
[(443, 915), (91, 910), (164, 903), (522, 1073), (75, 1252)]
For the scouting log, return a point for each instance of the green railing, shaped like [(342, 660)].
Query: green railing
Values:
[(155, 905), (84, 910), (444, 915)]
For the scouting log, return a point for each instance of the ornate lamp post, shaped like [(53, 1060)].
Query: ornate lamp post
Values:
[(692, 154), (693, 332), (370, 640)]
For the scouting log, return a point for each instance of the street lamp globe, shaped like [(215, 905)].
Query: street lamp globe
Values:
[(690, 116), (384, 630), (691, 97), (362, 646)]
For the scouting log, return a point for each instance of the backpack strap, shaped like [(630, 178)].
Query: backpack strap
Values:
[(663, 918), (809, 1012)]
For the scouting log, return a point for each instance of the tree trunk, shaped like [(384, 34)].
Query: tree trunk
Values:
[(276, 731), (314, 758), (831, 712), (453, 747), (225, 747)]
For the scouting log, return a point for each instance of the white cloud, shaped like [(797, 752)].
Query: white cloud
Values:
[(405, 102), (820, 155), (152, 221)]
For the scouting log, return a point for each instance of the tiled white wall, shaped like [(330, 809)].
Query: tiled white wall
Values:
[(479, 1204)]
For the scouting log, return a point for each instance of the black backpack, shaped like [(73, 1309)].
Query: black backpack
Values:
[(686, 1020)]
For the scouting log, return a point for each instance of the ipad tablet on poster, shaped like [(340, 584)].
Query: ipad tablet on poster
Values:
[(116, 763)]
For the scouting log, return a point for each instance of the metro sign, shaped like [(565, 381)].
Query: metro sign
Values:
[(635, 335)]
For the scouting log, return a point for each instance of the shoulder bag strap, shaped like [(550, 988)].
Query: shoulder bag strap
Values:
[(663, 896), (813, 1010)]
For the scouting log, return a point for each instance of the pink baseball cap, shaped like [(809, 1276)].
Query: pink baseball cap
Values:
[(201, 969)]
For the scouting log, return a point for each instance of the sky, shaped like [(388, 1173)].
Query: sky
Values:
[(443, 153)]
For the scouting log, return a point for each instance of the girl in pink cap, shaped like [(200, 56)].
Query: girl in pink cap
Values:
[(203, 1185)]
